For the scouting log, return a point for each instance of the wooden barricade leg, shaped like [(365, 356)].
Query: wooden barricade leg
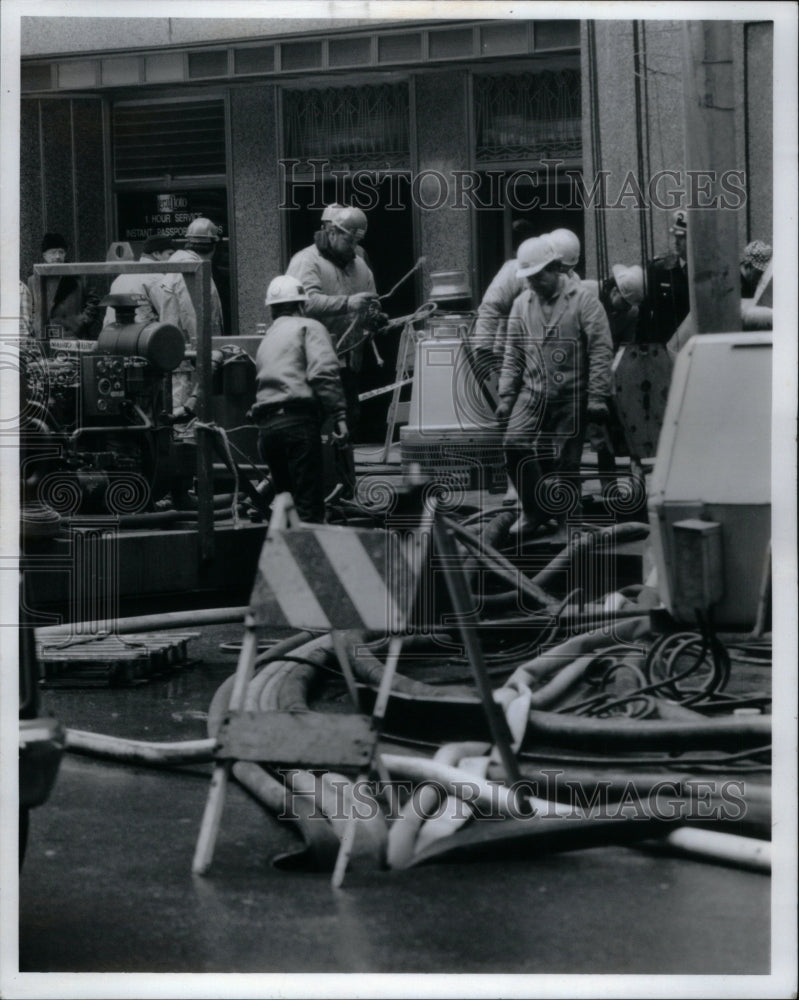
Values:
[(283, 514), (212, 817), (418, 557), (348, 840)]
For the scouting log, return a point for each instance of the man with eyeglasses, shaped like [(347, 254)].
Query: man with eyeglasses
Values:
[(341, 295), (70, 307)]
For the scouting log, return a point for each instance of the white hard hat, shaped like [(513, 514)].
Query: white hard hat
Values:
[(534, 255), (202, 231), (331, 211), (284, 288), (567, 246), (630, 283), (351, 220)]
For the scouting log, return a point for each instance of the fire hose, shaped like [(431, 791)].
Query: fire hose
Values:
[(283, 683)]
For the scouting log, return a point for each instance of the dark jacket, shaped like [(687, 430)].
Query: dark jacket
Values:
[(69, 305), (667, 302)]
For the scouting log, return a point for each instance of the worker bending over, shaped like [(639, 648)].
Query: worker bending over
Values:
[(297, 386)]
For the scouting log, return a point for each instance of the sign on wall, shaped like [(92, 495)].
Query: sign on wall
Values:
[(141, 214)]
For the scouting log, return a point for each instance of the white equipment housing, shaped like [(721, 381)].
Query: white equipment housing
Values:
[(710, 491)]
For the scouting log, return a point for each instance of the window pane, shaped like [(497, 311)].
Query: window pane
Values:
[(399, 48), (503, 39), (208, 63), (255, 60), (349, 51), (301, 55), (557, 34), (450, 44)]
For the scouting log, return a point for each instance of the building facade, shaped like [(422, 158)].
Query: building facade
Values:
[(445, 132)]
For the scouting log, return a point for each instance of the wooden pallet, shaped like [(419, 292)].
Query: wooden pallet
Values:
[(117, 659)]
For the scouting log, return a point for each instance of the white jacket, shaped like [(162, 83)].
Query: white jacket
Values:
[(177, 307), (145, 288)]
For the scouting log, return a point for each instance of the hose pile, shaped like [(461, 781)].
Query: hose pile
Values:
[(623, 735)]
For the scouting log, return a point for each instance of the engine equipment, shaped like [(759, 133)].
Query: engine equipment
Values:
[(99, 402), (451, 433)]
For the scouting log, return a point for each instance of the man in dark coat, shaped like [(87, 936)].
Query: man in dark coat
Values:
[(667, 302), (70, 309)]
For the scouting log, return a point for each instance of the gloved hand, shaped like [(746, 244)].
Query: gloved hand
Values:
[(361, 302), (341, 434), (597, 411), (503, 410)]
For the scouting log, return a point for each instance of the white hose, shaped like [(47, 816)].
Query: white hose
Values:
[(140, 751)]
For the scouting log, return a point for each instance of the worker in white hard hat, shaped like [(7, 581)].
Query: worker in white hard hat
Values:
[(555, 376), (341, 295), (202, 238), (567, 247), (298, 386), (176, 307), (491, 325), (621, 295), (145, 288), (329, 214)]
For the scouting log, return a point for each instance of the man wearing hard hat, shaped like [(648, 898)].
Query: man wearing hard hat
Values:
[(341, 292), (297, 386), (555, 377), (202, 237), (342, 296)]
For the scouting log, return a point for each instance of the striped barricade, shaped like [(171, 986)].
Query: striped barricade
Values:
[(322, 577)]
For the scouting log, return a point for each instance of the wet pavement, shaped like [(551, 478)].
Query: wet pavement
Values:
[(107, 883)]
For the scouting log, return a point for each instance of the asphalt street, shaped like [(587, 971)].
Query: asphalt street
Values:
[(107, 884)]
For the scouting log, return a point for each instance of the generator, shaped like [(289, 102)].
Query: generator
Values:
[(94, 432), (451, 434), (710, 490)]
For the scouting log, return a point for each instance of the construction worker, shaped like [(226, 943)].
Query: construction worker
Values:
[(620, 296), (145, 288), (297, 386), (320, 237), (71, 308), (667, 303), (491, 325), (341, 295), (202, 237), (755, 259), (567, 247), (555, 376)]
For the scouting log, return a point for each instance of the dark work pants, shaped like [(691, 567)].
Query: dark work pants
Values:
[(291, 445), (545, 470)]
